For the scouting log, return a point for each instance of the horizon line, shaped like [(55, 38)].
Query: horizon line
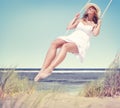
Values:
[(56, 69)]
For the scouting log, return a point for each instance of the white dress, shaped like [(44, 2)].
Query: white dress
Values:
[(81, 37)]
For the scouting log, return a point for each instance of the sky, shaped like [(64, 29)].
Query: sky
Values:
[(27, 28)]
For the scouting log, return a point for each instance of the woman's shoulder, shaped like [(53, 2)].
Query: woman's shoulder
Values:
[(80, 20), (86, 23)]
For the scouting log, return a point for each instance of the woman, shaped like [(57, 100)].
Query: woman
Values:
[(76, 43)]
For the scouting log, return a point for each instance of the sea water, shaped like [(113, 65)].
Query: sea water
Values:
[(69, 78)]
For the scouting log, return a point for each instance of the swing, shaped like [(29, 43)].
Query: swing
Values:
[(108, 5), (84, 42)]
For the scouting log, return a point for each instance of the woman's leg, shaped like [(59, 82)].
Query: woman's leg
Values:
[(50, 56), (67, 47)]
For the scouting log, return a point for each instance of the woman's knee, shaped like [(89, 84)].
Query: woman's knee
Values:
[(54, 44), (66, 46), (57, 43), (70, 47)]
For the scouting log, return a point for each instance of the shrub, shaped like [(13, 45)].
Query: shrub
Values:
[(107, 86), (11, 84), (112, 78), (93, 89)]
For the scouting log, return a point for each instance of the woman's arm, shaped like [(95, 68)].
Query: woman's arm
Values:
[(96, 28), (74, 22)]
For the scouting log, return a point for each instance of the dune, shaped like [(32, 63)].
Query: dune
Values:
[(61, 100), (71, 101)]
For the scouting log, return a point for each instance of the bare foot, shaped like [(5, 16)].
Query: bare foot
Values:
[(47, 72), (43, 74), (38, 76)]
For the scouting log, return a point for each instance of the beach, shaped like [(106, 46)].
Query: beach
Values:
[(60, 90), (70, 101), (61, 100)]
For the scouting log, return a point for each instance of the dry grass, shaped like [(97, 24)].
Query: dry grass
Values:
[(109, 85), (12, 85), (22, 93)]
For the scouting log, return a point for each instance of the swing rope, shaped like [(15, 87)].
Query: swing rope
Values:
[(79, 12), (84, 6), (101, 15), (106, 9)]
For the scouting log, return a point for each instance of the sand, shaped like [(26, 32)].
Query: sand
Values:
[(61, 100), (71, 101)]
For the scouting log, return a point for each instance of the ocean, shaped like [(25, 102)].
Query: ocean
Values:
[(70, 78)]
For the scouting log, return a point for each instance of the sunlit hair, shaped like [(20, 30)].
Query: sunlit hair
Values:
[(95, 17)]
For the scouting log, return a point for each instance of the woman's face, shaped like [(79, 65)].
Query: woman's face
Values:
[(91, 11)]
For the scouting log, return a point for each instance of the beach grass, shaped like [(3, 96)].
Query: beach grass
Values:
[(11, 84), (92, 89), (108, 86), (22, 93)]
